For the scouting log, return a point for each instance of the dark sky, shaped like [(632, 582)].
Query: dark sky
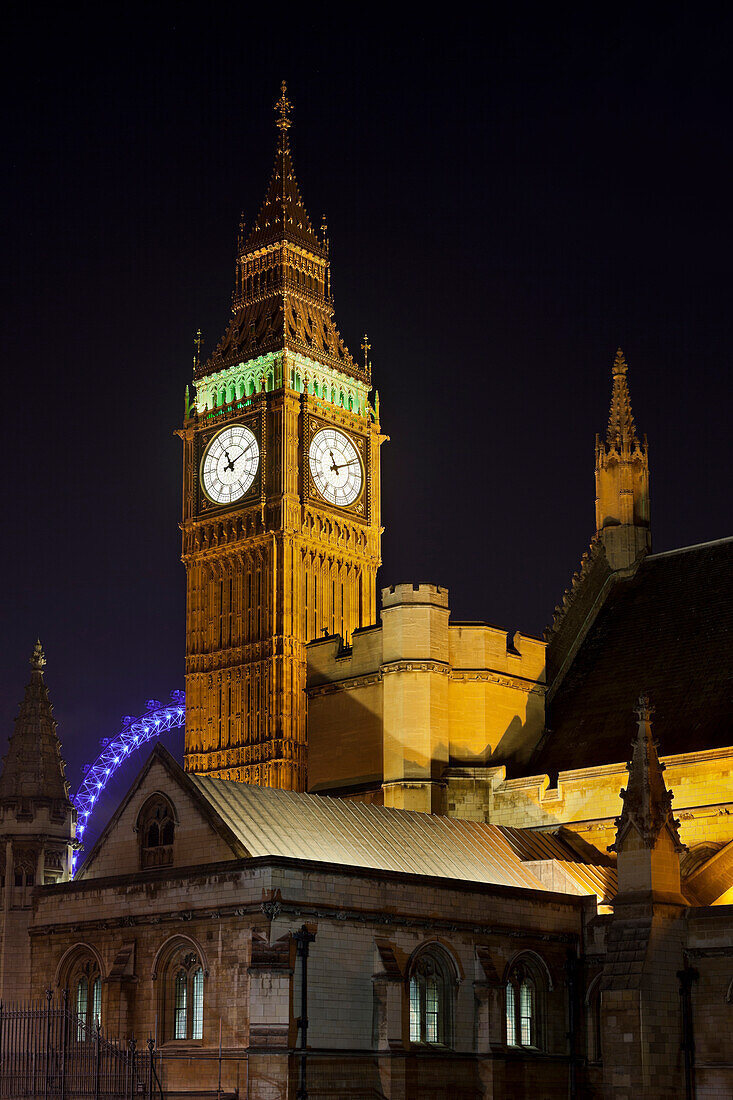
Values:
[(505, 204)]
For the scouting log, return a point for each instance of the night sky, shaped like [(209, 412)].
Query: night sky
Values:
[(505, 206)]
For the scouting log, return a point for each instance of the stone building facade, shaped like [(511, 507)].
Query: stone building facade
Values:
[(467, 932)]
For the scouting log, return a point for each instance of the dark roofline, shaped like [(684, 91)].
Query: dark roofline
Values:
[(689, 549)]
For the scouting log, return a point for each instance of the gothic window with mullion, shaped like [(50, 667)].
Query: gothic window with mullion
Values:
[(156, 828), (524, 994), (85, 987), (184, 1008), (431, 989)]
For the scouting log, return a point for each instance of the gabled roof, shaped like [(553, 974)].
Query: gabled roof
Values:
[(33, 767), (667, 632), (258, 822), (355, 834), (176, 772)]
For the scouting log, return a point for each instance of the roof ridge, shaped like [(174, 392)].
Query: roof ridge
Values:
[(685, 549)]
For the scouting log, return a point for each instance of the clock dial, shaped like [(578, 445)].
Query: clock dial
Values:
[(229, 464), (335, 466)]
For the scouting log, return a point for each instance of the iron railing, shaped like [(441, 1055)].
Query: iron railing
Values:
[(47, 1050)]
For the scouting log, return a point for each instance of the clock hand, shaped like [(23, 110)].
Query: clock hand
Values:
[(230, 461), (243, 453), (343, 465)]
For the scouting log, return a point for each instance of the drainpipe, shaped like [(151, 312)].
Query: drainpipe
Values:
[(572, 967), (303, 939), (686, 977)]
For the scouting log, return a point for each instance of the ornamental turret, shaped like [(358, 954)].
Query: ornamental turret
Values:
[(622, 479), (38, 824), (647, 834)]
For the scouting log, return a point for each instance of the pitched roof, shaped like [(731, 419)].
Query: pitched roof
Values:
[(349, 833), (33, 765), (283, 216), (667, 632)]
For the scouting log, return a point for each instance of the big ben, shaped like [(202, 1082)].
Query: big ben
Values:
[(281, 497)]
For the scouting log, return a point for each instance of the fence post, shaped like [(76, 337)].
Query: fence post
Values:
[(131, 1047), (2, 1021), (49, 995), (64, 1030), (97, 1056), (151, 1048)]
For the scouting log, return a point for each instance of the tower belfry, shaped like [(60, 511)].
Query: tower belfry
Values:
[(281, 508), (622, 479)]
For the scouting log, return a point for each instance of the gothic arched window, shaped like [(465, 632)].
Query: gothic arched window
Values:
[(181, 993), (432, 982), (84, 984), (156, 828), (524, 996)]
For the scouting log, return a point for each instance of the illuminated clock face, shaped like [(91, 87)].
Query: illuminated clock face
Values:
[(229, 464), (335, 466)]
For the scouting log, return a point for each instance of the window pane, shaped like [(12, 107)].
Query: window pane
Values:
[(414, 1011), (180, 1005), (82, 993), (198, 1004), (96, 1002), (511, 1023), (432, 1010), (526, 1013)]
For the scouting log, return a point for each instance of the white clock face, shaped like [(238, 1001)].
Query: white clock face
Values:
[(229, 464), (335, 466)]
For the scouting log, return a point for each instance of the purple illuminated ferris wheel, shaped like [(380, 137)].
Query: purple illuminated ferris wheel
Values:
[(158, 718)]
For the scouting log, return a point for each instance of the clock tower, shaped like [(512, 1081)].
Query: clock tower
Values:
[(281, 497)]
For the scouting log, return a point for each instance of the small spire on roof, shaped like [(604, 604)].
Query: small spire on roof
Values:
[(283, 107), (647, 802), (38, 659), (366, 347), (198, 341), (621, 428)]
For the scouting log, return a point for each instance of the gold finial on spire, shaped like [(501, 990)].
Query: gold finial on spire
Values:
[(240, 234), (198, 341), (619, 363), (283, 107), (38, 660), (366, 347)]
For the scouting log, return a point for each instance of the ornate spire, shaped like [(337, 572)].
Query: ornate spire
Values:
[(283, 108), (622, 480), (33, 766), (621, 429), (38, 657), (647, 802), (282, 289), (283, 216)]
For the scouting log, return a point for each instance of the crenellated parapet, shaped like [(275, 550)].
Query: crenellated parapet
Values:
[(416, 696)]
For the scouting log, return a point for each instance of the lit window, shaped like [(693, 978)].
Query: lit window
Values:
[(82, 999), (184, 1009), (181, 1006), (431, 984), (522, 1005), (511, 1016)]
